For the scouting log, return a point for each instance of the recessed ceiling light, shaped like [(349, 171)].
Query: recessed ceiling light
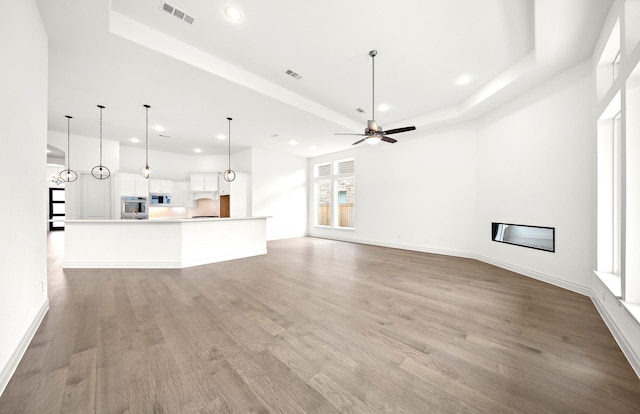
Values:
[(198, 150), (233, 14), (293, 143), (134, 140), (313, 148), (463, 79), (221, 137), (384, 107), (158, 128)]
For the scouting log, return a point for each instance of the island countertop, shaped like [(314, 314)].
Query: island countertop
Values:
[(165, 220), (162, 243)]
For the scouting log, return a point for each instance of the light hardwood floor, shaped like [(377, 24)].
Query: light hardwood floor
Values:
[(319, 326)]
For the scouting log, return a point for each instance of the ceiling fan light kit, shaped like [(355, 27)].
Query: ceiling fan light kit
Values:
[(374, 133)]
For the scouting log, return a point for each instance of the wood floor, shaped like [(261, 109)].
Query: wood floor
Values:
[(319, 326)]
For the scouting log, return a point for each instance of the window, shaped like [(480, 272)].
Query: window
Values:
[(323, 194), (616, 197), (610, 206), (335, 194), (56, 209), (323, 206), (346, 202), (534, 237), (616, 65)]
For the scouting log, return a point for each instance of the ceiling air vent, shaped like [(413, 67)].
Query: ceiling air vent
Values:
[(360, 110), (177, 13), (293, 74), (167, 7)]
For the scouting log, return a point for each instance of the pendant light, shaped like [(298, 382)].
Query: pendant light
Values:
[(100, 172), (146, 171), (229, 175), (67, 175)]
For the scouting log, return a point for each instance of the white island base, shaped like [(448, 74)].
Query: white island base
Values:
[(162, 243)]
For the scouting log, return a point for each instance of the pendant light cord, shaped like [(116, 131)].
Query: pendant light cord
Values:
[(100, 172), (101, 108), (229, 169), (373, 86), (68, 141), (146, 132)]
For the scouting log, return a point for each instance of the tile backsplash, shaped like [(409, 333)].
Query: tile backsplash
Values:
[(204, 207)]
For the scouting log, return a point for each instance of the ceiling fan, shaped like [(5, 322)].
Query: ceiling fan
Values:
[(374, 133)]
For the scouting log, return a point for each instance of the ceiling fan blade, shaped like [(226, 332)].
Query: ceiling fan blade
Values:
[(357, 142), (348, 133), (388, 139), (398, 130)]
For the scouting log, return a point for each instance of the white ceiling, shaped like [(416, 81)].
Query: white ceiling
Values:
[(123, 54)]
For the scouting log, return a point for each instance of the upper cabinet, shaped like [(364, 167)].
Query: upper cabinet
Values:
[(180, 195), (132, 184), (160, 186), (204, 182)]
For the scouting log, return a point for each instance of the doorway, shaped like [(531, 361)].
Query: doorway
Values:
[(225, 206)]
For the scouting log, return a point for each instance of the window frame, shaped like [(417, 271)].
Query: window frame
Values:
[(334, 176)]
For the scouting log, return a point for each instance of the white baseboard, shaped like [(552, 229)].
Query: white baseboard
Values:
[(7, 371), (402, 246), (622, 325), (583, 290), (174, 264), (543, 277), (76, 264)]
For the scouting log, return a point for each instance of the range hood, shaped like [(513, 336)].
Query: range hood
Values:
[(208, 195)]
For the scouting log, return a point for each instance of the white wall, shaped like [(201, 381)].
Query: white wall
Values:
[(417, 194), (85, 151), (529, 162), (242, 160), (240, 192), (536, 166), (279, 190), (164, 165), (23, 246), (170, 166)]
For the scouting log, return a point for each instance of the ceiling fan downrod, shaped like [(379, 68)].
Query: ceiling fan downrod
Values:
[(373, 54)]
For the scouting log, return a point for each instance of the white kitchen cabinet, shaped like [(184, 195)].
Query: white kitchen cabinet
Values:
[(181, 197), (241, 195), (204, 182), (160, 186), (95, 198), (224, 186), (132, 184)]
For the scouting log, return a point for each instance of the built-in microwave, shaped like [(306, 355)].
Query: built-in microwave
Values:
[(134, 208), (160, 200)]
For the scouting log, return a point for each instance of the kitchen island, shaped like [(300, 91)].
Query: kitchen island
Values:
[(161, 243)]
